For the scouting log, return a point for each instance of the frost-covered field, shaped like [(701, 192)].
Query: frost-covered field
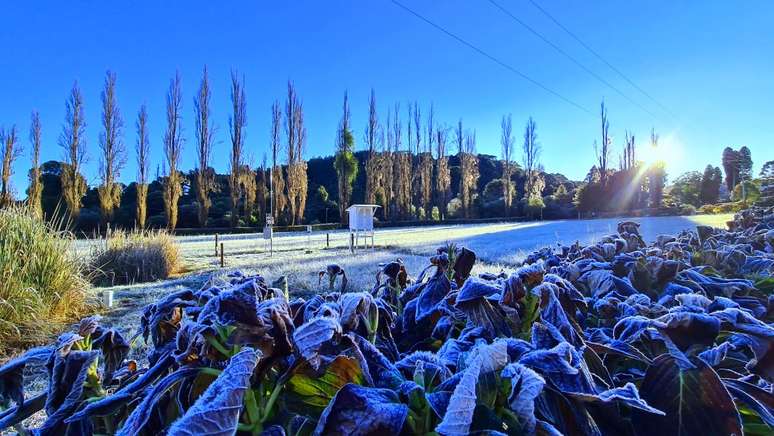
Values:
[(494, 243), (300, 257)]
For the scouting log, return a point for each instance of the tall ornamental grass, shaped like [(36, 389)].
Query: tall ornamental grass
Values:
[(133, 257), (41, 281)]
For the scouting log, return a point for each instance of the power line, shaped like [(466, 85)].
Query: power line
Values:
[(570, 57), (492, 58), (598, 56)]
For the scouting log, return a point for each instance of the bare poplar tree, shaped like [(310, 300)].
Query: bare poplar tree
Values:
[(402, 168), (10, 152), (113, 152), (443, 174), (425, 168), (173, 148), (603, 153), (276, 179), (237, 122), (205, 133), (506, 144), (35, 191), (372, 164), (384, 170), (628, 159), (249, 187), (73, 141), (468, 173), (296, 140), (530, 156), (260, 189), (142, 148)]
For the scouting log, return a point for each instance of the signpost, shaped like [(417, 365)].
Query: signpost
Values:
[(268, 233)]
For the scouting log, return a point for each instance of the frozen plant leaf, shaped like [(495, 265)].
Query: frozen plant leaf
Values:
[(627, 395), (358, 410), (137, 421), (12, 373), (310, 337), (66, 389), (217, 411), (526, 385), (462, 404)]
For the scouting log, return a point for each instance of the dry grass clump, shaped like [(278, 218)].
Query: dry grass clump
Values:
[(133, 257), (41, 281)]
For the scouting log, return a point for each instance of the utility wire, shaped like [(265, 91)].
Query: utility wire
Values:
[(570, 57), (598, 56), (493, 59)]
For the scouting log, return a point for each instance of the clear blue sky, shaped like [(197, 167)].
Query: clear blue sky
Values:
[(709, 62)]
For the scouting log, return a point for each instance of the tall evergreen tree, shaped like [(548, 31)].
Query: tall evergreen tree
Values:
[(711, 180), (730, 161), (344, 160), (745, 164)]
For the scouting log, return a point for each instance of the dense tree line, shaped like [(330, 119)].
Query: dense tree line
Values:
[(405, 167)]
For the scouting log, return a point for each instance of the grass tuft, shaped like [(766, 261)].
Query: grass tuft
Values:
[(41, 281), (134, 257)]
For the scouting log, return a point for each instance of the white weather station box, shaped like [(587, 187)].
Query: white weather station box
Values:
[(361, 223)]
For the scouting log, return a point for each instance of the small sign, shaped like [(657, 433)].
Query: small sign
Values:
[(269, 220), (267, 232), (308, 229)]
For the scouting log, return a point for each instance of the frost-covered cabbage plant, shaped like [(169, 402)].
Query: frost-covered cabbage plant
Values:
[(615, 338)]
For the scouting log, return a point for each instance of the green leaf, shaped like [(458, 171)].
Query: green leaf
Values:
[(309, 393), (531, 312)]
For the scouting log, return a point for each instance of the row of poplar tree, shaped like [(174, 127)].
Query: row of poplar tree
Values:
[(404, 180)]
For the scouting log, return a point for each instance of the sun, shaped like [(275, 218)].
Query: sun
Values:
[(668, 150)]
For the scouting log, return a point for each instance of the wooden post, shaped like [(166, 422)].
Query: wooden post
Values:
[(216, 244), (352, 242), (221, 255), (327, 240)]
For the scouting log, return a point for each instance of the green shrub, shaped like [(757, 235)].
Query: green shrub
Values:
[(435, 214), (132, 257), (715, 209), (41, 281)]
